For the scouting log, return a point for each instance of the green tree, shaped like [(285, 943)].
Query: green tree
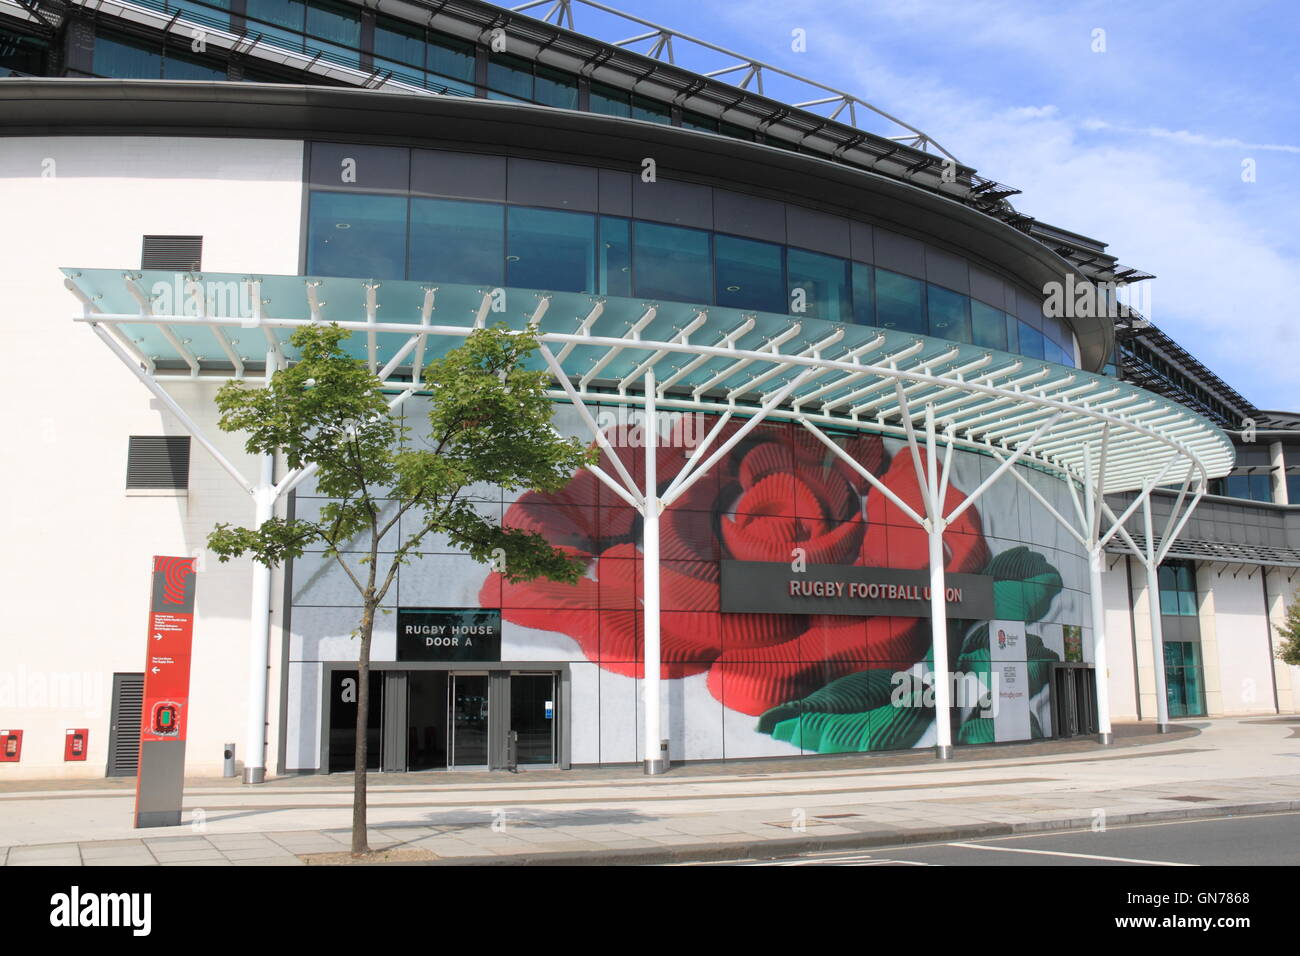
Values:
[(1289, 651), (489, 422)]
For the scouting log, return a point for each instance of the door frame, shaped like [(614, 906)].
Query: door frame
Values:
[(1081, 678), (493, 716), (498, 712), (560, 689)]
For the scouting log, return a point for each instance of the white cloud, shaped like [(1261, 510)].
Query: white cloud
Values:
[(1186, 137)]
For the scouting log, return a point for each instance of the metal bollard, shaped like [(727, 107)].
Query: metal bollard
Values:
[(512, 751), (228, 768)]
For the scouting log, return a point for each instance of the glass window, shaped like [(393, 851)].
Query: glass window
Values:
[(1165, 577), (615, 256), (1032, 342), (900, 302), (280, 22), (820, 284), (1013, 333), (1183, 679), (22, 54), (399, 47), (1174, 653), (652, 111), (339, 26), (949, 314), (191, 68), (355, 234), (747, 274), (211, 12), (126, 59), (549, 249), (399, 42), (864, 300), (698, 121), (554, 88), (610, 101), (1293, 489), (1261, 488), (988, 326), (451, 64), (735, 132), (509, 78), (1177, 583), (455, 241), (672, 262)]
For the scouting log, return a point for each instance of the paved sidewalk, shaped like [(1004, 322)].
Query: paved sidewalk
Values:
[(701, 811)]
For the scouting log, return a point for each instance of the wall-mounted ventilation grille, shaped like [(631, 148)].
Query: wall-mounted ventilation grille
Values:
[(158, 462), (182, 253), (124, 727)]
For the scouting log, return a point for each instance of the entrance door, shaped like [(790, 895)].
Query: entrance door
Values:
[(343, 720), (426, 720), (532, 717), (1074, 700), (469, 720)]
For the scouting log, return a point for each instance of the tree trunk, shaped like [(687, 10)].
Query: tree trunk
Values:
[(360, 844)]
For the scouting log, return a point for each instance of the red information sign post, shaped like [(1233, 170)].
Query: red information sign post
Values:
[(165, 717)]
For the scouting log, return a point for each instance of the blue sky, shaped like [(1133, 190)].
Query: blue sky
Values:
[(1140, 146)]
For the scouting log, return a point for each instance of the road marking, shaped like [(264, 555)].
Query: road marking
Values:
[(1081, 856), (852, 859)]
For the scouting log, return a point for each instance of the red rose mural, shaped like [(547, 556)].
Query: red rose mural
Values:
[(778, 490)]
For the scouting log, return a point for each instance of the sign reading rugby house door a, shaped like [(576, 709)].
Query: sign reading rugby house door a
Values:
[(448, 634)]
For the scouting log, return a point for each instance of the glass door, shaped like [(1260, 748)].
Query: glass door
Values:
[(532, 717), (469, 720), (343, 720), (426, 720)]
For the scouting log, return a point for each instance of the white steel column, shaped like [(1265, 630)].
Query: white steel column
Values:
[(1100, 672), (1157, 634), (938, 596), (259, 616), (656, 761), (259, 635)]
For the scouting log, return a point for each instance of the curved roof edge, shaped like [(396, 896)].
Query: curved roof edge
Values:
[(71, 106)]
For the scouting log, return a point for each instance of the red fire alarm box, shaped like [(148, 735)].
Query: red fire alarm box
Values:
[(76, 743), (11, 746)]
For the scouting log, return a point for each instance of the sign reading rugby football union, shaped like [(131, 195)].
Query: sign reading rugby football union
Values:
[(766, 587)]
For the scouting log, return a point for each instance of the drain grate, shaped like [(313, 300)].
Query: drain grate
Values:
[(1190, 799), (836, 816)]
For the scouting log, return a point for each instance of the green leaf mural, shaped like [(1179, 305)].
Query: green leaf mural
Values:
[(976, 730), (859, 713), (1039, 672), (854, 713), (854, 694), (1024, 584)]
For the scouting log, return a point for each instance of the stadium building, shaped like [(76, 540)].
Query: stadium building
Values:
[(857, 427)]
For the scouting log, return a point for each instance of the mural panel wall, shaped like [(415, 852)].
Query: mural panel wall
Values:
[(739, 684)]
